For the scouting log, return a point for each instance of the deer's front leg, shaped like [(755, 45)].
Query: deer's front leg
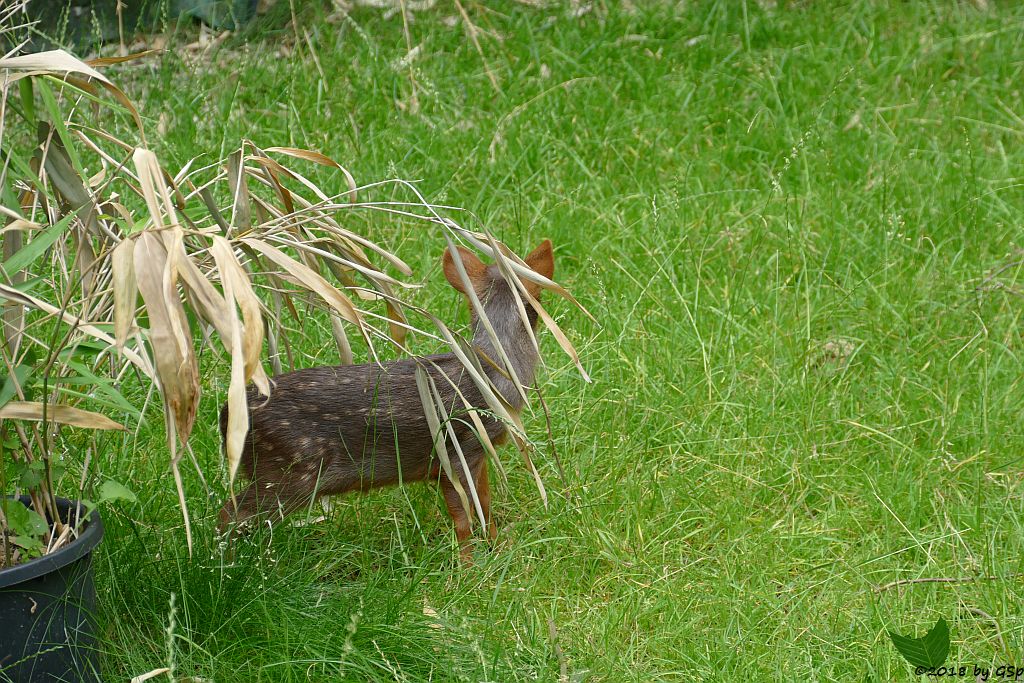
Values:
[(459, 517), (483, 492)]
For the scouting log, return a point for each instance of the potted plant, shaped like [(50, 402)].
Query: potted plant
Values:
[(111, 264)]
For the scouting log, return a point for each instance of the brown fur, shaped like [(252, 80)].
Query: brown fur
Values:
[(329, 430)]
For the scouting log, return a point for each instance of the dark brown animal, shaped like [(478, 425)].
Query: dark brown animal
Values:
[(329, 430)]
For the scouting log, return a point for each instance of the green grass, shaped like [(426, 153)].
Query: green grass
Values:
[(804, 387)]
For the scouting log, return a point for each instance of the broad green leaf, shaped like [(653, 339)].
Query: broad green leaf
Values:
[(21, 168), (21, 520), (39, 244), (57, 120), (21, 373), (14, 470), (928, 651), (84, 348), (28, 99), (107, 399), (33, 474), (111, 490), (105, 385), (31, 544), (36, 525), (10, 200)]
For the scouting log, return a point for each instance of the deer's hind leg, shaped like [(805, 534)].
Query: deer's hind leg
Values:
[(262, 503)]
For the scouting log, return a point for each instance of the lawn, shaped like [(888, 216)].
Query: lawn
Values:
[(797, 228)]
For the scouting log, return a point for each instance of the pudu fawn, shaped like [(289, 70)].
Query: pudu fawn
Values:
[(329, 430)]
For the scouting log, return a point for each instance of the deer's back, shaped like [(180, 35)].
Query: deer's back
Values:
[(354, 426)]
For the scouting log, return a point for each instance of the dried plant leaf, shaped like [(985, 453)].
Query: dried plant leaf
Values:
[(351, 242), (560, 337), (59, 63), (283, 170), (520, 268), (13, 313), (506, 272), (142, 678), (154, 190), (207, 301), (238, 409), (491, 398), (341, 340), (61, 414), (168, 333), (50, 62), (430, 410), (485, 440), (241, 212), (252, 316), (106, 61), (511, 261), (323, 160), (271, 172), (312, 280), (336, 262), (126, 290), (399, 323), (454, 439), (15, 216)]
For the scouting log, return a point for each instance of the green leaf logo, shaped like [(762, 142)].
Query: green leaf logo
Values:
[(929, 651)]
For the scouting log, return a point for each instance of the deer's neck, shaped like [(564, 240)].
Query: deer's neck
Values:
[(518, 349)]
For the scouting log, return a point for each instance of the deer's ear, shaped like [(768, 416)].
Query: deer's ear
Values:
[(541, 260), (475, 269)]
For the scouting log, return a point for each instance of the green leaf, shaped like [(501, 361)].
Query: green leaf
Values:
[(104, 399), (36, 525), (27, 99), (84, 349), (33, 474), (929, 651), (39, 244), (25, 475), (105, 386), (22, 373), (21, 520), (8, 197), (15, 513), (57, 120), (112, 490), (13, 469), (30, 543), (19, 165)]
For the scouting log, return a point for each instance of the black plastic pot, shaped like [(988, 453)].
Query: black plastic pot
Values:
[(47, 627)]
